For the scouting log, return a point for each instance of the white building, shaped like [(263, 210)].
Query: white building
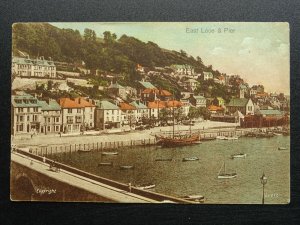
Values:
[(26, 114), (208, 75), (183, 69), (26, 67), (108, 115), (51, 119)]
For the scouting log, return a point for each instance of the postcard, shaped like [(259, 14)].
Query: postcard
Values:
[(151, 112)]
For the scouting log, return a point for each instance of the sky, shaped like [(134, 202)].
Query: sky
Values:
[(258, 52)]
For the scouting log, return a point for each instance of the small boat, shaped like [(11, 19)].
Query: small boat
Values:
[(105, 164), (277, 134), (194, 158), (146, 187), (282, 148), (221, 137), (126, 167), (196, 198), (110, 153), (239, 155), (84, 151), (224, 175), (164, 160)]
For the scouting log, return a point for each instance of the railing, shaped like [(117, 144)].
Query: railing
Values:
[(151, 195)]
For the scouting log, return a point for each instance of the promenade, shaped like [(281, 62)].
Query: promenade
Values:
[(97, 136)]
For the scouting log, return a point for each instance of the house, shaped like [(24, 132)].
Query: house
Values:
[(185, 106), (183, 69), (220, 80), (155, 107), (190, 84), (128, 114), (142, 85), (108, 115), (197, 100), (244, 105), (150, 95), (26, 67), (207, 76), (140, 68), (141, 112), (26, 114), (215, 109), (88, 112), (243, 90), (253, 91), (270, 113), (219, 101), (73, 115), (51, 118), (130, 91), (117, 90)]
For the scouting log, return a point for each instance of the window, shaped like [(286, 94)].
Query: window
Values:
[(48, 128), (35, 109), (69, 119), (21, 118), (91, 116), (69, 110), (35, 118), (56, 128), (28, 118), (49, 120), (57, 119), (78, 119), (249, 108), (78, 110), (20, 109)]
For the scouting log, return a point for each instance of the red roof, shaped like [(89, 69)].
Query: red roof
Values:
[(126, 106), (74, 103), (156, 91), (156, 104), (215, 108), (164, 104)]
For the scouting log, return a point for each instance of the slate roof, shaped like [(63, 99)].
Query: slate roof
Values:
[(115, 85), (39, 62), (23, 100), (147, 84), (238, 102), (138, 105), (270, 112), (106, 105), (51, 106)]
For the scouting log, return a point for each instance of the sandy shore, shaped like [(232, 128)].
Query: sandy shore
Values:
[(94, 136)]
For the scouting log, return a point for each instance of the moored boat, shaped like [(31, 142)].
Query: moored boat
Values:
[(194, 158), (84, 151), (126, 167), (195, 198), (224, 175), (239, 155), (282, 148), (109, 153), (208, 138)]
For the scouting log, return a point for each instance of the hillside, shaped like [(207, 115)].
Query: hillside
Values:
[(108, 53)]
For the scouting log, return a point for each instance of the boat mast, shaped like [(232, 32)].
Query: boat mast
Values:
[(173, 120)]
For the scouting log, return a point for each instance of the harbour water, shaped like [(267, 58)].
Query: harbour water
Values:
[(180, 178)]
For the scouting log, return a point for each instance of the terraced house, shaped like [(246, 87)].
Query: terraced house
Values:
[(108, 115), (26, 67), (26, 114), (51, 118)]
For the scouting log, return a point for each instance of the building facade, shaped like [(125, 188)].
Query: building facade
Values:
[(51, 118), (39, 68), (108, 115), (26, 114)]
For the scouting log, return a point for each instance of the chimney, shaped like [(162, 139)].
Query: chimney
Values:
[(79, 100)]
